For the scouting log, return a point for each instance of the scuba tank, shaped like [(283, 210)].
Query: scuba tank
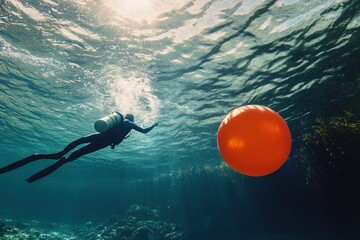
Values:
[(103, 124)]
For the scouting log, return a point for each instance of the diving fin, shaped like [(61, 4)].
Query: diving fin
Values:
[(27, 160)]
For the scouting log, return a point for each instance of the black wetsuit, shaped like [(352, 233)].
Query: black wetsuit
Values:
[(95, 142)]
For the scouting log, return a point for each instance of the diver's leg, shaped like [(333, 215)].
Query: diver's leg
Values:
[(55, 156), (92, 147), (77, 142), (29, 159)]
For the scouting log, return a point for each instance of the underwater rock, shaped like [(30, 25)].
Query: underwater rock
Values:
[(142, 233), (14, 230), (125, 231), (142, 213), (175, 236), (2, 227), (139, 223)]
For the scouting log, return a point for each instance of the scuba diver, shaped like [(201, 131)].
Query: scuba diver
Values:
[(96, 141)]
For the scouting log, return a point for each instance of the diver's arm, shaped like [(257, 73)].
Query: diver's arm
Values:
[(143, 130)]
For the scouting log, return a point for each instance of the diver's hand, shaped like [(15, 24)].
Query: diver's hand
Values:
[(155, 124)]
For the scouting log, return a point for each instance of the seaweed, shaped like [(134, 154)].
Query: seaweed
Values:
[(331, 149), (330, 159)]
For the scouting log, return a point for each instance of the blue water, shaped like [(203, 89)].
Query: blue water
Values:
[(184, 64)]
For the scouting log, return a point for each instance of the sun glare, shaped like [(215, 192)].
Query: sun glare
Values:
[(137, 10)]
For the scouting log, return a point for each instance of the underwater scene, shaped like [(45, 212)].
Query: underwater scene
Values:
[(178, 67)]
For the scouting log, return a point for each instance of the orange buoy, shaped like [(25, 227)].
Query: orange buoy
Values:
[(254, 140)]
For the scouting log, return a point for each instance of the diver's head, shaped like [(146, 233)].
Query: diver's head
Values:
[(129, 117)]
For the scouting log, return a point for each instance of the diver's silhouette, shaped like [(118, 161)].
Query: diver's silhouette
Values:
[(96, 141)]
